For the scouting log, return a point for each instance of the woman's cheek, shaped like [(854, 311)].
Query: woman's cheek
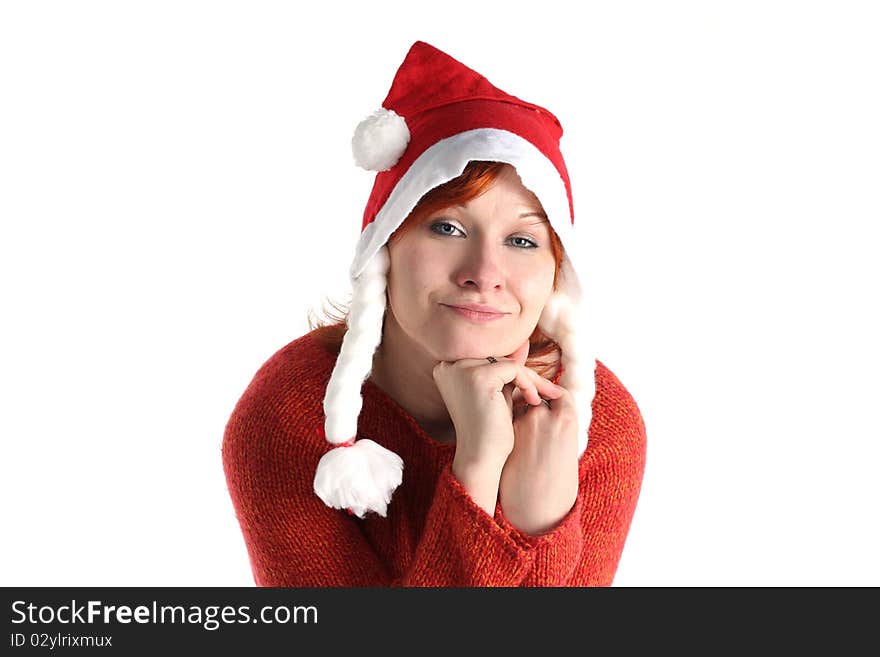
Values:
[(537, 294)]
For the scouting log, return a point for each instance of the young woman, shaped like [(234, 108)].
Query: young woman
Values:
[(474, 439)]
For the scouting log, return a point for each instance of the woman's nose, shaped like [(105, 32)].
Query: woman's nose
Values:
[(481, 267)]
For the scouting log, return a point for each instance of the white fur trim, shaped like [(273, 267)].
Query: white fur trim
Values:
[(342, 399), (379, 140), (360, 478)]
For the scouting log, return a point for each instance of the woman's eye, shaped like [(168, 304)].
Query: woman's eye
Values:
[(444, 228), (524, 242)]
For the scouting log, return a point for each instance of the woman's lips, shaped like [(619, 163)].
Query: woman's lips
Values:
[(475, 316)]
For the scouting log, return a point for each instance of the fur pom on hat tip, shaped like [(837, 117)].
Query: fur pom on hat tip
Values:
[(379, 140), (359, 478)]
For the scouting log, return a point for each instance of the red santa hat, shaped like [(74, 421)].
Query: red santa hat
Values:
[(438, 116)]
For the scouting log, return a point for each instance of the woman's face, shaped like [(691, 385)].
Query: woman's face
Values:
[(493, 252)]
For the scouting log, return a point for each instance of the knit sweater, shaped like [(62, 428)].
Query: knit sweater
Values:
[(434, 534)]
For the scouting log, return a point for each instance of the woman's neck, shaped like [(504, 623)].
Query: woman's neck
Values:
[(405, 372)]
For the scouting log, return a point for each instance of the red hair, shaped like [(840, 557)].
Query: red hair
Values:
[(476, 178)]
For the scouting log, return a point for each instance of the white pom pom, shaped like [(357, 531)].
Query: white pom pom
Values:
[(379, 140), (360, 478)]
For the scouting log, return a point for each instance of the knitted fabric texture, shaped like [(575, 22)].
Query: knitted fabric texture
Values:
[(434, 534)]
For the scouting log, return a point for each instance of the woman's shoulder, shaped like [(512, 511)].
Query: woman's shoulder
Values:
[(273, 438), (608, 385), (615, 411), (307, 358), (285, 395), (302, 363)]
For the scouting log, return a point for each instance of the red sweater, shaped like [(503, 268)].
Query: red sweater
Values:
[(434, 534)]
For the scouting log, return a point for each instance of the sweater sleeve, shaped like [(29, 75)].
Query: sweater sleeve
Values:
[(293, 539), (556, 553), (584, 549), (463, 546), (290, 539)]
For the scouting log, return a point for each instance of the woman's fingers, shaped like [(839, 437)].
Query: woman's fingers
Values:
[(535, 387), (510, 372)]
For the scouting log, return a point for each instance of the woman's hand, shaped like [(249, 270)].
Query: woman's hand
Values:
[(478, 395), (539, 481)]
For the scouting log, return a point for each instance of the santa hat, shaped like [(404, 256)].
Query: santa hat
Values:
[(438, 116)]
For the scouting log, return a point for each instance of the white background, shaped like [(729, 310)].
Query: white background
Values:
[(177, 190)]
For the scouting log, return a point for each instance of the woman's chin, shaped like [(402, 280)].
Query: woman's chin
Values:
[(455, 352)]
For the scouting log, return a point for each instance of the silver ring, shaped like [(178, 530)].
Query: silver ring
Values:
[(527, 406), (491, 359)]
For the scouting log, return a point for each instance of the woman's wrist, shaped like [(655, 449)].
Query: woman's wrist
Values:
[(482, 449), (480, 479)]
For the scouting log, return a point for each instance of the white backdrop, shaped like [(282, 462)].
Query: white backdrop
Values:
[(177, 190)]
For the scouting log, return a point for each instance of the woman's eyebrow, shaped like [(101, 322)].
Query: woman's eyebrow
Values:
[(524, 215), (541, 216)]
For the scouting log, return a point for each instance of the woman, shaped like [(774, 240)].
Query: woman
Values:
[(460, 384)]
